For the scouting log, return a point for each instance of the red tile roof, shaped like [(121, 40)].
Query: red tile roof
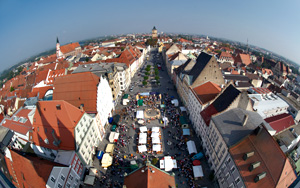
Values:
[(69, 47), (39, 90), (279, 172), (41, 75), (29, 171), (52, 74), (261, 90), (280, 122), (77, 89), (55, 120), (207, 113), (225, 54), (18, 126), (267, 71), (207, 91), (245, 58), (147, 179)]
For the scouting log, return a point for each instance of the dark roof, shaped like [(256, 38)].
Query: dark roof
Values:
[(230, 124), (236, 77), (201, 62), (182, 67), (154, 28), (222, 102)]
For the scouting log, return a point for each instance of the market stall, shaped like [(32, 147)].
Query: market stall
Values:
[(140, 114), (110, 148), (100, 154), (106, 160), (113, 137), (154, 134), (175, 102), (186, 132), (89, 180), (143, 138), (155, 140), (156, 147), (142, 148), (198, 172), (191, 147), (143, 129)]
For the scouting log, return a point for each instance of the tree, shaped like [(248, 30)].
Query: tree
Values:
[(156, 78), (144, 83), (148, 69), (156, 73), (147, 73), (149, 66), (146, 77), (11, 89)]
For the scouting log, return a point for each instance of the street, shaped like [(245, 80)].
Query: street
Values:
[(173, 143)]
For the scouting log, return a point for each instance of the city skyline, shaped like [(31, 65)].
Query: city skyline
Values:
[(31, 27)]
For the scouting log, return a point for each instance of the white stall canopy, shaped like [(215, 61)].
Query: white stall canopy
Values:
[(155, 129), (186, 132), (175, 102), (89, 180), (156, 147), (140, 114), (182, 108), (198, 172), (191, 147), (143, 138), (106, 160), (113, 136), (155, 140), (142, 148), (143, 129), (154, 134), (168, 163)]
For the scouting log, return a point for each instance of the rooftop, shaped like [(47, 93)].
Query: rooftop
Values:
[(280, 122), (207, 91), (230, 124)]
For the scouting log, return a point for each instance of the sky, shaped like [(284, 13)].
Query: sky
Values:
[(30, 27)]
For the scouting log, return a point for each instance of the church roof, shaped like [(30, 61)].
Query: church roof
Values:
[(154, 28)]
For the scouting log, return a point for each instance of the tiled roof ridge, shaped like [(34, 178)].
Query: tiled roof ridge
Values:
[(69, 115)]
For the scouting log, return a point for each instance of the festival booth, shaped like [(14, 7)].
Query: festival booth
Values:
[(140, 114), (186, 132), (142, 148), (141, 122), (143, 129), (100, 155), (113, 137), (155, 129), (175, 102), (182, 109), (191, 147), (93, 172), (110, 149), (89, 180), (198, 172), (125, 99), (143, 138), (106, 160), (155, 140), (154, 134), (197, 156), (165, 120), (156, 147), (168, 163)]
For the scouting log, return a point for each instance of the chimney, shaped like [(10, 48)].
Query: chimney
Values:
[(245, 119)]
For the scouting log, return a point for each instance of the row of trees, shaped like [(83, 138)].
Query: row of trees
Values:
[(148, 72)]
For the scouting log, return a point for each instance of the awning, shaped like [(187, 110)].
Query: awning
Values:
[(143, 129), (140, 114), (125, 96), (141, 121), (155, 140), (155, 129), (109, 148), (143, 138), (198, 172), (191, 147), (196, 162), (156, 147), (183, 120), (168, 163), (175, 102), (142, 148), (106, 160), (182, 108), (100, 154), (116, 137), (154, 134), (140, 102), (145, 94), (186, 132), (111, 137), (93, 172), (89, 180)]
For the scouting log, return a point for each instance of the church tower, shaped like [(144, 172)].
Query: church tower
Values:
[(59, 55), (154, 33)]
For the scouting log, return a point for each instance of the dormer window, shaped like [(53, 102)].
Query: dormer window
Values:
[(248, 155), (260, 176)]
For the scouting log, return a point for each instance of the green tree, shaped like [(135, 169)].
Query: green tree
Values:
[(149, 66), (11, 89), (148, 69), (156, 73), (156, 78), (147, 73), (144, 83), (146, 77)]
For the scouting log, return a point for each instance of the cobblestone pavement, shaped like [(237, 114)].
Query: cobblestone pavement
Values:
[(171, 133)]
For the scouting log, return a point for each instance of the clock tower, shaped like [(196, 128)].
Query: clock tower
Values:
[(59, 55)]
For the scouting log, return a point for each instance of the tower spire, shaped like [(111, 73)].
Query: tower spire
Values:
[(57, 41)]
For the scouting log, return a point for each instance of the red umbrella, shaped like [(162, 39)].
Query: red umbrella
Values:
[(196, 163)]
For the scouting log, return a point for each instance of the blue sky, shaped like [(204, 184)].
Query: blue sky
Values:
[(30, 27)]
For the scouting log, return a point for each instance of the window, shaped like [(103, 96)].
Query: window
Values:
[(84, 118), (68, 185), (231, 185), (62, 177), (227, 176), (52, 179), (228, 160), (59, 185), (232, 169), (71, 177), (237, 180)]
